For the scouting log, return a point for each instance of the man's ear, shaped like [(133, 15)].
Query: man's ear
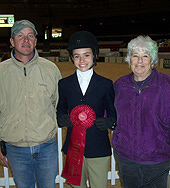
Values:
[(36, 42), (12, 42)]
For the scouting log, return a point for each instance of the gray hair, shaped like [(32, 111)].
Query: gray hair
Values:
[(145, 43)]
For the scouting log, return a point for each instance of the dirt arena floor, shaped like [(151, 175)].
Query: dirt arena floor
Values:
[(109, 70)]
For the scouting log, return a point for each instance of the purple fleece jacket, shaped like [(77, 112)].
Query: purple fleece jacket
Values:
[(143, 119)]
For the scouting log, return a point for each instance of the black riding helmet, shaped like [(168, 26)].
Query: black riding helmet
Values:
[(83, 39)]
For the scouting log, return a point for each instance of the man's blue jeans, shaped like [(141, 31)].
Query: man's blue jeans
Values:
[(34, 164)]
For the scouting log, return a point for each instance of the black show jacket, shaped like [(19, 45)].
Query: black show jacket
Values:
[(100, 97)]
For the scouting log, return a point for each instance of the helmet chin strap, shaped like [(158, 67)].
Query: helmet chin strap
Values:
[(94, 62)]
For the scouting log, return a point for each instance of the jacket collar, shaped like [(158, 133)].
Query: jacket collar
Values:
[(29, 63), (93, 83), (155, 79)]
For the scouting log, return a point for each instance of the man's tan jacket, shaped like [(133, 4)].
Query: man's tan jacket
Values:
[(28, 99)]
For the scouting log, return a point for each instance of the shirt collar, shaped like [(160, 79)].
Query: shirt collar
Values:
[(84, 75), (21, 61)]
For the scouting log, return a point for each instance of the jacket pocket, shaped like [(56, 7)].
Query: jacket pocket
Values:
[(163, 123), (2, 120), (121, 139)]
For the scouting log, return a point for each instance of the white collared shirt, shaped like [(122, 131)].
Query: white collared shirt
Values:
[(84, 79)]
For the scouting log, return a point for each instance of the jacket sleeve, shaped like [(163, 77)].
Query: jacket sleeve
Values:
[(56, 94), (62, 107), (110, 97)]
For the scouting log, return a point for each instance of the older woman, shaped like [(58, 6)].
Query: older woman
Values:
[(141, 140)]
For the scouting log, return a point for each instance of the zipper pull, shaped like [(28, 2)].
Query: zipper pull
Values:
[(25, 71)]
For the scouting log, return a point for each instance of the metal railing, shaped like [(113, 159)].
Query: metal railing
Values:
[(112, 174)]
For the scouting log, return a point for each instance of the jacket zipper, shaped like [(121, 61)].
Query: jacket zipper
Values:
[(139, 91), (142, 89), (25, 73)]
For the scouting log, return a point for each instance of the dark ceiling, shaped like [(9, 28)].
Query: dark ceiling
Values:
[(102, 17), (85, 8)]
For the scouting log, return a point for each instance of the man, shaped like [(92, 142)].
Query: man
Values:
[(28, 99)]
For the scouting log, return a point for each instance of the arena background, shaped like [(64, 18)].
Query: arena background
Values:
[(114, 22)]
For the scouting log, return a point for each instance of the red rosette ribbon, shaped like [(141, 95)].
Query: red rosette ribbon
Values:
[(82, 117)]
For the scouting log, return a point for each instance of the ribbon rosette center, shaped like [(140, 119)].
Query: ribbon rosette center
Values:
[(82, 116)]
